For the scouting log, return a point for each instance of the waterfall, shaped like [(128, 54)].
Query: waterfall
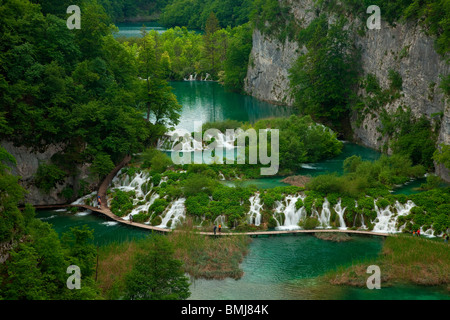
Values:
[(191, 77), (254, 215), (189, 144), (292, 216), (340, 212), (363, 226), (387, 218), (142, 208), (325, 215), (175, 137), (176, 214), (220, 220), (90, 200), (429, 232), (221, 176)]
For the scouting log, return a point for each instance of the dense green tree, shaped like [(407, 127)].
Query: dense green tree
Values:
[(442, 155), (322, 80), (156, 275), (76, 87), (238, 53), (211, 42), (301, 140), (194, 13), (11, 193)]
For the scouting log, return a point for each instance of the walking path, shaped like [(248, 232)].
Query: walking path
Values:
[(107, 212)]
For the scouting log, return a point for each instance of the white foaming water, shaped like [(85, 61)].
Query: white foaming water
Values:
[(291, 214), (254, 215), (429, 233), (110, 223), (136, 185), (308, 166), (220, 220), (142, 208), (176, 214), (340, 212), (192, 77), (387, 218), (179, 137), (82, 214), (48, 218), (325, 215), (84, 200)]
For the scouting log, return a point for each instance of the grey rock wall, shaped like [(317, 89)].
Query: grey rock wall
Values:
[(27, 164), (404, 48)]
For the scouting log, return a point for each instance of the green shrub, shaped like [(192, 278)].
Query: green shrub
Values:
[(310, 223), (48, 176), (122, 202)]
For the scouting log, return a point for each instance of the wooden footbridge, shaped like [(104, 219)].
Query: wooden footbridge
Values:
[(104, 210)]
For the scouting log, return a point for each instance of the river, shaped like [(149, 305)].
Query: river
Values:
[(284, 267)]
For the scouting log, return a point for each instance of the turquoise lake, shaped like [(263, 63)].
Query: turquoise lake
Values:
[(276, 268)]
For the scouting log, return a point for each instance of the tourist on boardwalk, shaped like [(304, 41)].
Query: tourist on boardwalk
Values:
[(215, 228), (220, 227), (99, 202), (418, 232), (131, 218)]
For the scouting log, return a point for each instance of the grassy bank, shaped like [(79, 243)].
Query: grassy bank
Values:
[(202, 257), (403, 259)]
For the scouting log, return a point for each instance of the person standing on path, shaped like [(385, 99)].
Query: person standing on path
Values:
[(220, 227), (215, 228), (99, 202)]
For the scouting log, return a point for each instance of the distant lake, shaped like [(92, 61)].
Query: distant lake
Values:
[(133, 29)]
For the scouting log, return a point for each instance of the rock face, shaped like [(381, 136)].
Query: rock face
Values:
[(267, 76), (407, 50), (404, 48), (28, 163)]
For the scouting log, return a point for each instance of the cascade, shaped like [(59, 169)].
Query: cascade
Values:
[(254, 215), (340, 212), (292, 216), (325, 215), (220, 220), (176, 213), (89, 200), (386, 220)]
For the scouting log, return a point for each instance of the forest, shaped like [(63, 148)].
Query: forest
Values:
[(101, 97)]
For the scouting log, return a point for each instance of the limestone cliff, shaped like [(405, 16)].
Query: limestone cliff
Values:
[(404, 48), (27, 164)]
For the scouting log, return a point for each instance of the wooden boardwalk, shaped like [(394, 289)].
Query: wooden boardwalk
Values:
[(104, 210)]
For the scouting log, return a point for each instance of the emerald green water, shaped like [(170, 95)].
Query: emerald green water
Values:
[(134, 29), (285, 267), (208, 101), (105, 230)]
